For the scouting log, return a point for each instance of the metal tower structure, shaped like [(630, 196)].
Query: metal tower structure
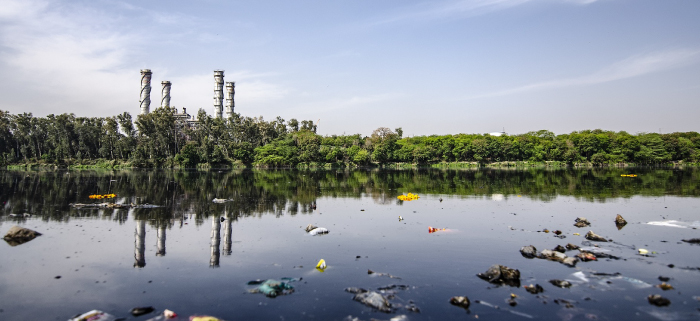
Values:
[(165, 93), (230, 92), (219, 93), (145, 91)]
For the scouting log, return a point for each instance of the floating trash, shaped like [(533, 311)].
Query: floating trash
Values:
[(272, 288), (94, 315), (408, 197), (383, 274), (433, 230), (99, 196), (629, 175), (321, 266), (674, 223)]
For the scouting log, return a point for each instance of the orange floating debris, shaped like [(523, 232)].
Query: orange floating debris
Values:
[(433, 230)]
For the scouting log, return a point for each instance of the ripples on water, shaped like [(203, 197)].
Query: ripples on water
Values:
[(183, 257)]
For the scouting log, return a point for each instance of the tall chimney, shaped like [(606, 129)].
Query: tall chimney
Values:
[(145, 91), (230, 104), (165, 93), (219, 93)]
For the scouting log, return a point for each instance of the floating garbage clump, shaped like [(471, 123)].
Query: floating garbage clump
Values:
[(408, 197), (99, 196)]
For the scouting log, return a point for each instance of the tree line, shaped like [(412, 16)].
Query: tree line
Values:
[(162, 139)]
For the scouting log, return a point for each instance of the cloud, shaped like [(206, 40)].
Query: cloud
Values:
[(458, 9), (81, 59), (634, 66)]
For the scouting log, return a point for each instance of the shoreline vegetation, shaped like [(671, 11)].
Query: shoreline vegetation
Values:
[(161, 139)]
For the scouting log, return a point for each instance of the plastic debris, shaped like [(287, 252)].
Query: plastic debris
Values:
[(400, 218), (500, 274), (98, 196), (560, 283), (534, 289), (318, 231), (586, 256), (374, 300), (504, 309), (272, 288), (408, 197), (204, 318), (321, 266), (629, 175), (643, 251), (674, 223), (138, 311), (433, 230), (595, 237), (658, 300), (383, 274), (94, 315), (664, 286), (19, 235), (582, 222), (460, 301), (380, 300), (221, 200)]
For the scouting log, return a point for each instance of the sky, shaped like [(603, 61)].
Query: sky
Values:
[(430, 67)]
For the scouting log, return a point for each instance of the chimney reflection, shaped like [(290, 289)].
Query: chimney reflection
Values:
[(140, 244), (227, 236), (161, 241), (215, 241)]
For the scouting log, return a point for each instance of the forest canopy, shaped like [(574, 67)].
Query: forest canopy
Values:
[(161, 139)]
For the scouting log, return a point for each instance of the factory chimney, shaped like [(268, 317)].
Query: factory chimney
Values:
[(230, 104), (219, 93), (145, 91), (165, 93)]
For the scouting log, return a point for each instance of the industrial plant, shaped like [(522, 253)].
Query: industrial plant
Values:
[(220, 110)]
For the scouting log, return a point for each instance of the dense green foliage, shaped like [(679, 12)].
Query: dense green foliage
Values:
[(160, 139)]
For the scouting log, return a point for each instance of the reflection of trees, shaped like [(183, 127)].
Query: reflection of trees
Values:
[(252, 193)]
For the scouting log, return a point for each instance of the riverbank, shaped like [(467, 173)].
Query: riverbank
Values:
[(120, 164)]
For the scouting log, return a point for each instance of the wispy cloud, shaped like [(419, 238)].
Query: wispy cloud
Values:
[(457, 9), (634, 66)]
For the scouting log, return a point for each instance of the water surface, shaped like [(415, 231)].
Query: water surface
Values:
[(183, 257)]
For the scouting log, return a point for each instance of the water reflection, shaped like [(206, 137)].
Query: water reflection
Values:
[(228, 231), (161, 241), (140, 244), (215, 241), (48, 194)]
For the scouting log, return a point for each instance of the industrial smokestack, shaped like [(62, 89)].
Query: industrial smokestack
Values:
[(145, 91), (219, 93), (230, 91), (165, 93)]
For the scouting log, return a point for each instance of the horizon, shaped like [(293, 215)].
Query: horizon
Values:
[(437, 68)]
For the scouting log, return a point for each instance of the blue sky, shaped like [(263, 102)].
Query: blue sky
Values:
[(430, 67)]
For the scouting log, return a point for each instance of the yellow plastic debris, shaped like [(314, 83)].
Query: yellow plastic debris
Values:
[(577, 234), (643, 251), (321, 266), (408, 197)]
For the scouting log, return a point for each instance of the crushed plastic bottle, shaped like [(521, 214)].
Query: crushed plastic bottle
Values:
[(94, 315)]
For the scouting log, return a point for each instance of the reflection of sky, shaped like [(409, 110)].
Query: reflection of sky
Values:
[(95, 259)]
